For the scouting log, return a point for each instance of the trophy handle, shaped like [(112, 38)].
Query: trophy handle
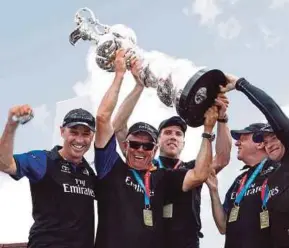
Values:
[(75, 36), (88, 27)]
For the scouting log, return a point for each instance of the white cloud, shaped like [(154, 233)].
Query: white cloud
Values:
[(229, 29), (40, 117), (270, 39), (278, 4), (208, 10)]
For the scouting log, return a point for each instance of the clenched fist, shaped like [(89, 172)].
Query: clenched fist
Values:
[(19, 112)]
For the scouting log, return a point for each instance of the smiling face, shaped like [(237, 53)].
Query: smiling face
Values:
[(247, 148), (77, 141), (171, 141), (139, 150), (273, 146)]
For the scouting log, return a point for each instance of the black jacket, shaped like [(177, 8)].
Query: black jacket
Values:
[(278, 182)]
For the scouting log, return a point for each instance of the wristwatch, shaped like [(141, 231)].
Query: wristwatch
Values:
[(224, 119), (209, 136)]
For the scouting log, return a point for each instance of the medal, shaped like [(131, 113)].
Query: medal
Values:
[(148, 217), (264, 215), (234, 214), (168, 211), (243, 189), (147, 212), (264, 219)]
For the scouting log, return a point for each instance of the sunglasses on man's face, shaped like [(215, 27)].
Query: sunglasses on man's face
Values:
[(137, 145)]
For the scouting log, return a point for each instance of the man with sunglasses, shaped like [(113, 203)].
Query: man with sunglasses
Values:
[(132, 193), (182, 217), (275, 135)]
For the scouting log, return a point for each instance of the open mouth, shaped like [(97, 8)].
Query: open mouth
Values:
[(78, 147), (139, 158)]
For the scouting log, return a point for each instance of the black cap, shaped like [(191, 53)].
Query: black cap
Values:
[(258, 137), (252, 128), (173, 121), (144, 127), (79, 117)]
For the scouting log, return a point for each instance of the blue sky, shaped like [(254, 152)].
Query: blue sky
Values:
[(39, 66)]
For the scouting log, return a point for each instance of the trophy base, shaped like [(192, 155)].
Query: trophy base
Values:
[(199, 95)]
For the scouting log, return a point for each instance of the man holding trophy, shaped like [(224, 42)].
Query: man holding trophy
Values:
[(179, 84), (132, 193), (183, 224)]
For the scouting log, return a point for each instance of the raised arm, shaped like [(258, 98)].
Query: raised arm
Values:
[(126, 108), (272, 111), (200, 172), (7, 162), (103, 117), (223, 139)]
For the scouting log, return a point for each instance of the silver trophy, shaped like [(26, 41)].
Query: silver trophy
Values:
[(191, 90)]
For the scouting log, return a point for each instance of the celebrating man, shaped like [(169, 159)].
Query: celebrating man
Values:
[(182, 217), (61, 181), (238, 217), (275, 211), (132, 193)]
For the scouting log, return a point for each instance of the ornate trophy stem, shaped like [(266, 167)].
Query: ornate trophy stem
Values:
[(191, 90)]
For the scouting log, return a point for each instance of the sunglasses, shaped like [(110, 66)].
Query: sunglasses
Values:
[(137, 145)]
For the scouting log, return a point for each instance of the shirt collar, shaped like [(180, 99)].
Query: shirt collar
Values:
[(168, 162), (55, 155)]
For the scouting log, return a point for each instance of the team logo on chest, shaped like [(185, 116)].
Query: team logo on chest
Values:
[(79, 187), (267, 171), (85, 172), (129, 182), (65, 168)]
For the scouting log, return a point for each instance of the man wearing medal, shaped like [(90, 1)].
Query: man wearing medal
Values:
[(132, 193), (242, 217), (275, 136), (183, 225), (182, 220)]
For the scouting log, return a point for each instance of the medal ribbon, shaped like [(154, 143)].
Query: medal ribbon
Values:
[(177, 165), (244, 179), (245, 187), (144, 185), (265, 194)]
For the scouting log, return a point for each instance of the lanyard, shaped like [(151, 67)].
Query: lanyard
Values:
[(244, 179), (144, 185), (245, 187), (177, 165), (265, 194)]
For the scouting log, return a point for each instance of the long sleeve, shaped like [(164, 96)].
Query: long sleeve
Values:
[(272, 111)]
